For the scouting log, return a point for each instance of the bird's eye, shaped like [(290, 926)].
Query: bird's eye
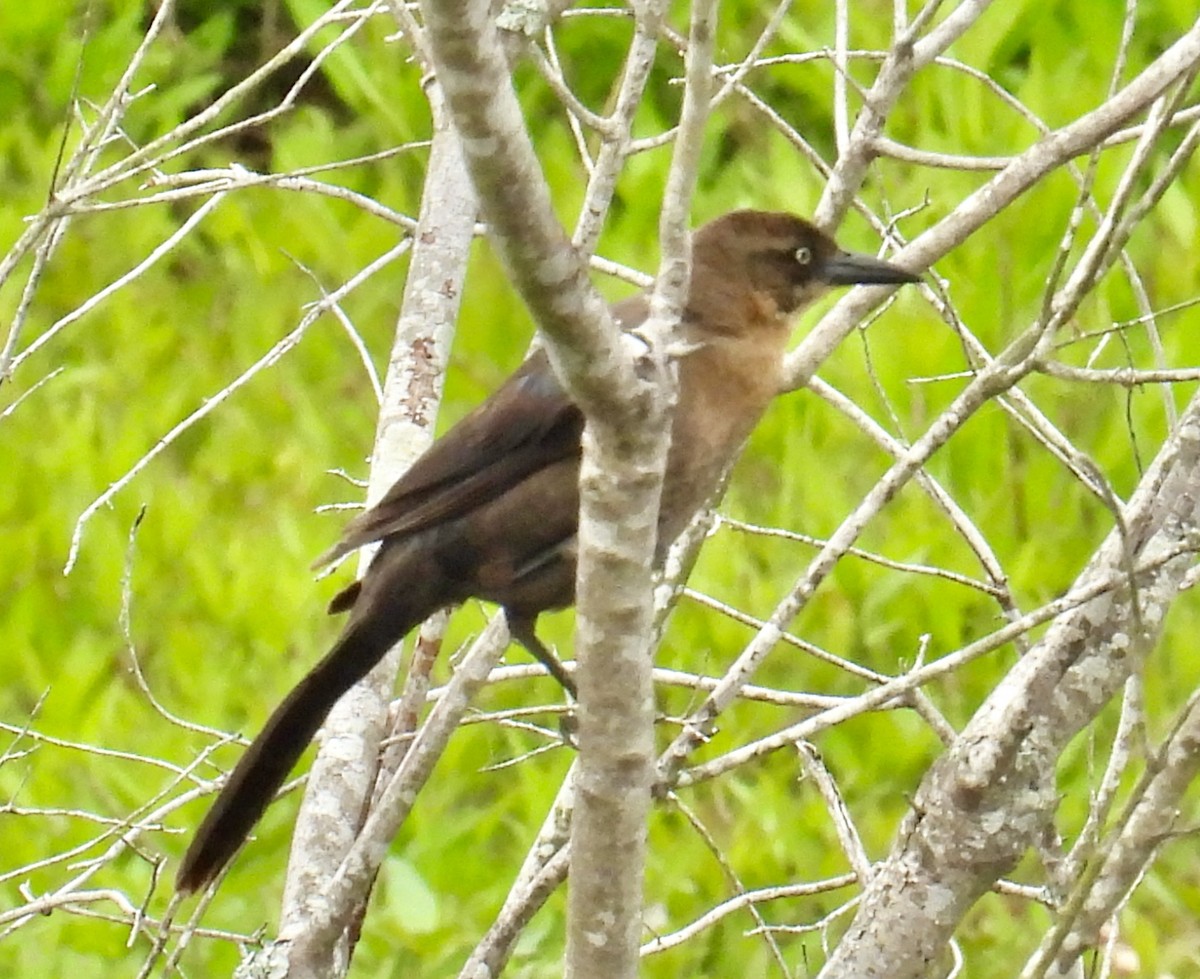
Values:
[(803, 255)]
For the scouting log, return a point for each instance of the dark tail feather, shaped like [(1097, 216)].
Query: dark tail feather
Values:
[(267, 762)]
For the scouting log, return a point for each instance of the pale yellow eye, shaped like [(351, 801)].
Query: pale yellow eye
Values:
[(803, 255)]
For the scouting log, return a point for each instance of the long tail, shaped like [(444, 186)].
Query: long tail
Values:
[(267, 762)]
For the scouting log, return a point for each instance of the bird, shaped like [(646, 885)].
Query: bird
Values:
[(490, 510)]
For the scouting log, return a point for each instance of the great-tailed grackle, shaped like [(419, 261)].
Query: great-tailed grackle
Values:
[(491, 509)]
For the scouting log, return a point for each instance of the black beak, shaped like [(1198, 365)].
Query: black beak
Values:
[(851, 268)]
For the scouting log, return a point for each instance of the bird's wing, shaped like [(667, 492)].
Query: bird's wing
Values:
[(527, 424)]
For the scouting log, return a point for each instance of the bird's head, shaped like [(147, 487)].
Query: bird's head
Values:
[(782, 258)]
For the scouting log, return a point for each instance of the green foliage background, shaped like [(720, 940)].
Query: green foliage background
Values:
[(225, 616)]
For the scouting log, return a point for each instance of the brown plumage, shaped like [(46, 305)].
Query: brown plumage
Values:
[(491, 509)]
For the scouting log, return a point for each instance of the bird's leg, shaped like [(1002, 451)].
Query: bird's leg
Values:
[(520, 627)]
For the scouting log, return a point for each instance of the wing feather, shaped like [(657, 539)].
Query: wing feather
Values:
[(526, 425)]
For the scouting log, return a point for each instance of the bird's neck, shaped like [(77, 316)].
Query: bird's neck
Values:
[(729, 374)]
